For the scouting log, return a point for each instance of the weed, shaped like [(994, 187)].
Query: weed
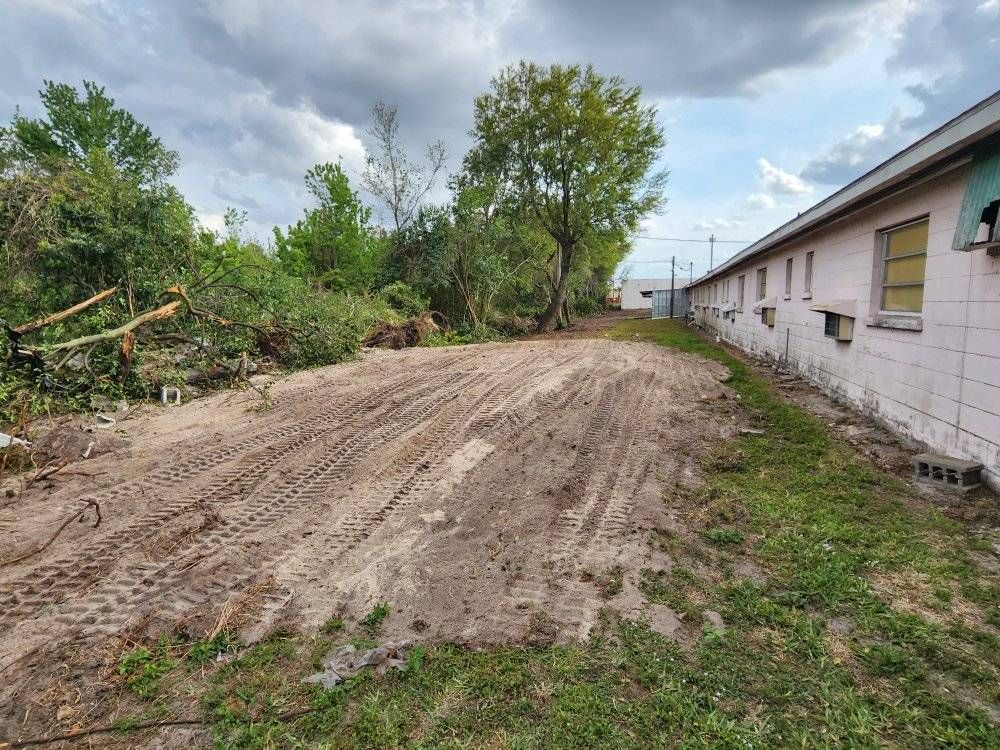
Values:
[(611, 581), (372, 622), (332, 626), (144, 668), (203, 652), (723, 536)]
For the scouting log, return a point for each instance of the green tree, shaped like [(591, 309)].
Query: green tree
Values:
[(76, 127), (576, 148), (332, 244)]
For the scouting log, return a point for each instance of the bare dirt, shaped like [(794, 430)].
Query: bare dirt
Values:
[(483, 492)]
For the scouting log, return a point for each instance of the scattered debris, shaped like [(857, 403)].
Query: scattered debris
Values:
[(946, 471), (399, 336), (105, 422), (751, 431), (170, 394), (8, 440), (347, 661)]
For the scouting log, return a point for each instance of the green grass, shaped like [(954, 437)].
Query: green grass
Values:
[(813, 654)]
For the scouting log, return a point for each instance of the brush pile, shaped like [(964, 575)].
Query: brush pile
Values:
[(412, 332)]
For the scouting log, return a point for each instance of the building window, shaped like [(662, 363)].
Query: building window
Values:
[(741, 290), (904, 256), (715, 293), (761, 283), (808, 284), (788, 278), (768, 316)]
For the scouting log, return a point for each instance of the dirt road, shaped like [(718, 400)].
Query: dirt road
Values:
[(483, 492)]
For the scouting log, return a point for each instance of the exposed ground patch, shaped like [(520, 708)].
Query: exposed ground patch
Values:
[(484, 491), (610, 578)]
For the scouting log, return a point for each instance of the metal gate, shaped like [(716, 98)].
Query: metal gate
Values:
[(661, 303)]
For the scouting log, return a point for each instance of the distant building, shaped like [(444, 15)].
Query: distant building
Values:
[(887, 293), (637, 294)]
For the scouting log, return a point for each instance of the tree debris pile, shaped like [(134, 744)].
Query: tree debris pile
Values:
[(412, 332)]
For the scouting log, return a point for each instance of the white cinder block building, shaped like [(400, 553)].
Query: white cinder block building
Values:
[(632, 290), (887, 293)]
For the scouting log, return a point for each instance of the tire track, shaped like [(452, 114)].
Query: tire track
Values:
[(53, 582)]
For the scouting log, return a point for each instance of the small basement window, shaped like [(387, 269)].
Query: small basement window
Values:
[(767, 316), (839, 327)]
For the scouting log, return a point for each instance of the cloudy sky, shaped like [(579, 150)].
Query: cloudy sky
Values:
[(766, 109)]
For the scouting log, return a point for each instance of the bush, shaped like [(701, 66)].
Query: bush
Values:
[(403, 298), (513, 325), (585, 306)]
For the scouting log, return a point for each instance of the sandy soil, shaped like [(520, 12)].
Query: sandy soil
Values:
[(478, 490)]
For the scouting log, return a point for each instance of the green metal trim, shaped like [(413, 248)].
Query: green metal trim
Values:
[(982, 189)]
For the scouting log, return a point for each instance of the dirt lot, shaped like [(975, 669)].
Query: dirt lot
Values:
[(484, 491)]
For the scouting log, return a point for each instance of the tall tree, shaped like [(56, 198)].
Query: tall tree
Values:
[(577, 148), (332, 244), (396, 181), (75, 127)]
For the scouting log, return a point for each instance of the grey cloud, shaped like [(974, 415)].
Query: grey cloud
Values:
[(709, 48), (220, 190), (265, 89)]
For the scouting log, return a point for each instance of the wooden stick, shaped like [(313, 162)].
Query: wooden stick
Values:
[(27, 328), (52, 538)]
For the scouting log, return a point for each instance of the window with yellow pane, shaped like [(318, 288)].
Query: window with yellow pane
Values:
[(904, 256)]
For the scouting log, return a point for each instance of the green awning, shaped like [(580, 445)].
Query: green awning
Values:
[(982, 189)]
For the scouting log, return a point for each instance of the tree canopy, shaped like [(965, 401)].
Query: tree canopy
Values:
[(75, 127), (575, 148)]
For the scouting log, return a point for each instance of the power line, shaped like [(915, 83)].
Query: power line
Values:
[(690, 239)]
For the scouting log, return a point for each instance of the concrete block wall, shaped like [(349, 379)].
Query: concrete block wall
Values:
[(939, 385)]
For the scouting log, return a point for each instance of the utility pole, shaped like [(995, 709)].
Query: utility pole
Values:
[(711, 251), (690, 273), (671, 286)]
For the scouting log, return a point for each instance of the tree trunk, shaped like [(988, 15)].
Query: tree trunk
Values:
[(552, 312)]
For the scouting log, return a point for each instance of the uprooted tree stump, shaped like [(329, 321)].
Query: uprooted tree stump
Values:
[(413, 332)]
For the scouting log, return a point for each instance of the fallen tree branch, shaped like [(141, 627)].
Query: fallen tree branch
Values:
[(25, 329), (159, 313), (63, 525)]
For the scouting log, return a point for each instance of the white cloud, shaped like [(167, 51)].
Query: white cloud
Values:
[(287, 141), (708, 225), (776, 180), (989, 7), (760, 201)]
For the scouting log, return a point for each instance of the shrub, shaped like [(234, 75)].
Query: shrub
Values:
[(403, 298)]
